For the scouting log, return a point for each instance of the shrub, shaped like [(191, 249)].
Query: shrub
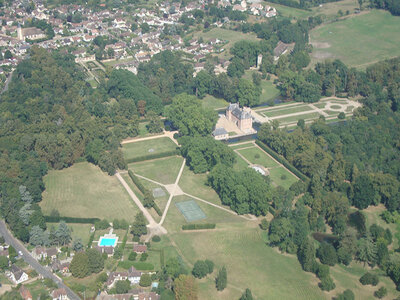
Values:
[(346, 295), (341, 116), (283, 177), (144, 257), (156, 239), (199, 226), (369, 278), (145, 280), (132, 256), (103, 224), (322, 271), (57, 219), (327, 254), (264, 224), (257, 156), (382, 292), (327, 284)]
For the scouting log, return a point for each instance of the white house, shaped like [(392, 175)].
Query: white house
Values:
[(59, 294), (17, 275)]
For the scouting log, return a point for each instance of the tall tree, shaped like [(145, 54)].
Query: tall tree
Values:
[(222, 279), (185, 288), (139, 225)]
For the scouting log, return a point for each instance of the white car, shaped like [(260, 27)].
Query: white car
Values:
[(20, 253)]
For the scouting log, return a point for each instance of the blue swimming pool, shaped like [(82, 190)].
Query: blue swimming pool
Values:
[(107, 242)]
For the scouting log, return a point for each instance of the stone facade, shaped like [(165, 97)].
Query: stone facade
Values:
[(240, 116)]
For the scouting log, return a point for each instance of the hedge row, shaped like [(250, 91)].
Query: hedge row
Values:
[(137, 182), (56, 219), (282, 160), (91, 238), (143, 189), (199, 226), (153, 156), (139, 265)]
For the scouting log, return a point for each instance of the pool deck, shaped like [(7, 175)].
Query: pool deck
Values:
[(108, 236)]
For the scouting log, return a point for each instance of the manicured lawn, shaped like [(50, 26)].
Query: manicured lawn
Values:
[(296, 118), (175, 218), (81, 231), (250, 264), (83, 190), (213, 103), (142, 148), (163, 170), (286, 111), (257, 156), (195, 184), (276, 177), (240, 163), (375, 33), (241, 146)]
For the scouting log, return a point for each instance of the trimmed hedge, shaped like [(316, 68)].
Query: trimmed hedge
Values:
[(57, 219), (91, 238), (143, 190), (139, 265), (153, 156), (282, 160), (199, 226)]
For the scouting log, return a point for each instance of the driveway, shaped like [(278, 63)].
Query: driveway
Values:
[(27, 257)]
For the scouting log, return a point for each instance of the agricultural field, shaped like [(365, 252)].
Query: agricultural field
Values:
[(142, 148), (83, 190), (376, 33)]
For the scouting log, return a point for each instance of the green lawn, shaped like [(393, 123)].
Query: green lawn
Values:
[(163, 170), (269, 91), (213, 103), (286, 111), (235, 147), (153, 146), (296, 118), (226, 35), (276, 177), (259, 157), (249, 261), (240, 163), (83, 190), (195, 184), (81, 231), (291, 12), (375, 33)]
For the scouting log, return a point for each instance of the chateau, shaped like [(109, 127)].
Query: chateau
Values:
[(241, 117)]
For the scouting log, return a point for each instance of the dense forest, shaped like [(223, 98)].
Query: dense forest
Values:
[(51, 118)]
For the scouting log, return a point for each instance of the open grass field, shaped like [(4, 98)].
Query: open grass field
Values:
[(358, 41), (240, 146), (256, 156), (195, 184), (83, 190), (213, 103), (276, 176), (240, 163), (225, 35), (286, 11), (163, 170), (141, 148), (249, 261)]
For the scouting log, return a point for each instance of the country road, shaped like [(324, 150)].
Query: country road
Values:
[(27, 257)]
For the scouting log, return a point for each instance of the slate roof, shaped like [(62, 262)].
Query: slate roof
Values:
[(238, 112)]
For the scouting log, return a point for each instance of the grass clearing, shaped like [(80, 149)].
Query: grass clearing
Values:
[(81, 231), (291, 12), (213, 103), (163, 170), (276, 177), (376, 33), (259, 157), (269, 91), (195, 184), (83, 190), (250, 264), (240, 163), (153, 146)]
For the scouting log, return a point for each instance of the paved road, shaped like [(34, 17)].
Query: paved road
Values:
[(8, 80), (33, 262)]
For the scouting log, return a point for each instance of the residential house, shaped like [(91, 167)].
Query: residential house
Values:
[(132, 275), (105, 249), (220, 134), (25, 293), (139, 248), (17, 275), (31, 33), (59, 294), (42, 253), (280, 49)]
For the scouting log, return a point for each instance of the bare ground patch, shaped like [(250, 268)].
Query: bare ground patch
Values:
[(322, 55), (320, 45)]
